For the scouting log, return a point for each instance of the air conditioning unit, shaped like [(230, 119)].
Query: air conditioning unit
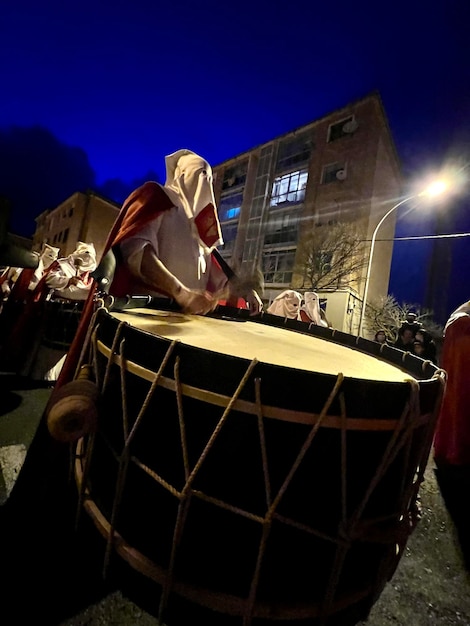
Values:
[(341, 174), (350, 127)]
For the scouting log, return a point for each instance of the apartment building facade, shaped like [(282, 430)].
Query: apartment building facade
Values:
[(340, 168), (86, 217)]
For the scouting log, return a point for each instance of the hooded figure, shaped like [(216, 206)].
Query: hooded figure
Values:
[(286, 304), (175, 226), (18, 318), (18, 282), (69, 278), (48, 255), (164, 241), (8, 279), (310, 310)]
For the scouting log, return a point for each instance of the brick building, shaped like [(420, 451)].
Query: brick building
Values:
[(340, 168), (86, 217)]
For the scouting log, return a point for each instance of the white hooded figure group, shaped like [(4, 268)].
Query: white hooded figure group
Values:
[(291, 304), (67, 283), (11, 275), (69, 278)]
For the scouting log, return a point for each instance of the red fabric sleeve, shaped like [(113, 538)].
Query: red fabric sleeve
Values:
[(452, 437)]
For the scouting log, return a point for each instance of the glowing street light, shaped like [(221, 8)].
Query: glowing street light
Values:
[(434, 189)]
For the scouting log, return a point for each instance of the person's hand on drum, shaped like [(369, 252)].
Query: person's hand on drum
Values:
[(241, 289), (195, 302)]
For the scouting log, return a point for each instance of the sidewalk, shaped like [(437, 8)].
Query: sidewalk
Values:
[(20, 412)]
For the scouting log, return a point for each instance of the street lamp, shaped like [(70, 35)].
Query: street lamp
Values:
[(433, 189)]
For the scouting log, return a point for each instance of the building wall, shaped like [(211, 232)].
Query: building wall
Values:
[(81, 217), (350, 175)]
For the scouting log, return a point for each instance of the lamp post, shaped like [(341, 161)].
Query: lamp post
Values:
[(434, 189)]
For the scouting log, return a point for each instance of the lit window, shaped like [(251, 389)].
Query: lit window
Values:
[(233, 213), (229, 207), (289, 188)]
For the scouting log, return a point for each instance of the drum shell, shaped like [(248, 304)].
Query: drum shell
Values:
[(60, 323), (218, 549)]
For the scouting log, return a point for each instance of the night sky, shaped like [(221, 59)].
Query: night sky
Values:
[(95, 94)]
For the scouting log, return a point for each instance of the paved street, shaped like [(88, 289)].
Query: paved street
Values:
[(52, 573)]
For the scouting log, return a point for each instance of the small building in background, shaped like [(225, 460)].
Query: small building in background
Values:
[(86, 217)]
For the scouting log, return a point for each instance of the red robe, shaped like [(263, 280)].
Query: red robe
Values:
[(15, 303), (19, 290), (141, 207), (452, 437), (23, 313)]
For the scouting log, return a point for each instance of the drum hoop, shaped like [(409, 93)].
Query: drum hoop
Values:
[(245, 406)]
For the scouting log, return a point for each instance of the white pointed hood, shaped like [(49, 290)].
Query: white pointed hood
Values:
[(286, 304), (48, 255), (311, 306), (189, 184), (83, 257)]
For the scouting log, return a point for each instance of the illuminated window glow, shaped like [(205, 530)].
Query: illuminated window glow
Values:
[(289, 188)]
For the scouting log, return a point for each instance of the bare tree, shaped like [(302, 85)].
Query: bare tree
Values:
[(387, 314), (330, 256)]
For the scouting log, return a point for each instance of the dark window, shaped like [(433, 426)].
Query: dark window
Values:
[(294, 151), (343, 128), (278, 266), (282, 228), (235, 175), (333, 173)]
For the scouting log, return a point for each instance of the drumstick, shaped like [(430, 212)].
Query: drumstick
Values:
[(228, 271)]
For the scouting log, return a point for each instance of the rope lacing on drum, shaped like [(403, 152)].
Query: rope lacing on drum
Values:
[(179, 402), (125, 456), (401, 433), (185, 495), (348, 532), (271, 512), (396, 527)]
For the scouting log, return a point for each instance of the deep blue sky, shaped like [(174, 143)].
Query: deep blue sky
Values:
[(130, 81), (107, 88)]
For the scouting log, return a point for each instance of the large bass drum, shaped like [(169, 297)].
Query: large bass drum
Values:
[(258, 468)]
